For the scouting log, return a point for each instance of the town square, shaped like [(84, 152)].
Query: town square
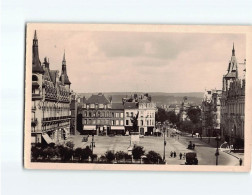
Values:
[(133, 123)]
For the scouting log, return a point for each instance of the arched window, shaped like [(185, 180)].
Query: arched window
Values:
[(34, 78)]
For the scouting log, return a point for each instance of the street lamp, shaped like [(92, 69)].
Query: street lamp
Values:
[(92, 145), (218, 138), (164, 128)]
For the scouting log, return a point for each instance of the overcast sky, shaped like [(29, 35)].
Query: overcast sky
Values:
[(144, 62)]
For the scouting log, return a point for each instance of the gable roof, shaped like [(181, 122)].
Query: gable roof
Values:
[(98, 99)]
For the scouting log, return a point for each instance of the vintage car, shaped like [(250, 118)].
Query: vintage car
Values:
[(191, 158)]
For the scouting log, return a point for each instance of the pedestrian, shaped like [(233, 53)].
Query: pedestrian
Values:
[(240, 161), (171, 154), (178, 137), (174, 154), (180, 155)]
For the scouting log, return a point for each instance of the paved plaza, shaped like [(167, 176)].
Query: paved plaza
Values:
[(205, 152)]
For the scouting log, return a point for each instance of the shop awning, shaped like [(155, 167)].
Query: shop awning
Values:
[(89, 127), (47, 138), (117, 127)]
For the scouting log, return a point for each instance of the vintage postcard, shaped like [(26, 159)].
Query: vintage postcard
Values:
[(138, 97)]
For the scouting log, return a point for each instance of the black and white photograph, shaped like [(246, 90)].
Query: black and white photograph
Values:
[(136, 97)]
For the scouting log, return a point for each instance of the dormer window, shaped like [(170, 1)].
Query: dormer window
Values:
[(92, 105)]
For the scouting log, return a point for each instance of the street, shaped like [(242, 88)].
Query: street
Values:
[(205, 153)]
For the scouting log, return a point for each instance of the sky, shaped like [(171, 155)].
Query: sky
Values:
[(141, 61)]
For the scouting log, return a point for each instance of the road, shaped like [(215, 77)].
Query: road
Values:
[(205, 152)]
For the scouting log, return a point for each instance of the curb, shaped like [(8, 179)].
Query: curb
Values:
[(231, 154)]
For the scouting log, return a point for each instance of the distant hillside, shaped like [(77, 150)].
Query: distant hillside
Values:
[(158, 97)]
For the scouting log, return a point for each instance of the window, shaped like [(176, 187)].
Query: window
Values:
[(127, 122), (34, 78), (127, 114), (112, 122), (131, 113), (91, 105), (121, 122), (85, 121), (117, 115), (117, 122), (101, 106), (121, 115), (142, 122), (113, 114)]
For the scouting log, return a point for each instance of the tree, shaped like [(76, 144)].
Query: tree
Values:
[(110, 156), (86, 153), (161, 115), (35, 152), (194, 114), (153, 158), (65, 153), (120, 155), (172, 117), (78, 152), (137, 152), (134, 120), (70, 144)]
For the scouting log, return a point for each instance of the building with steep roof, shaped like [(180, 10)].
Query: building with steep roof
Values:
[(50, 101), (233, 101), (96, 116)]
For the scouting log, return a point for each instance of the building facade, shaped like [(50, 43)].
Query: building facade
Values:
[(233, 101), (211, 112), (50, 110), (117, 119), (96, 115)]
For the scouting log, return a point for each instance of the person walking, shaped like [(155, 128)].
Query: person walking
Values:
[(171, 154), (174, 154), (180, 155), (240, 161)]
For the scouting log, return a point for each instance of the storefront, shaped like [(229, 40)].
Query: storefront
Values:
[(89, 130), (117, 130)]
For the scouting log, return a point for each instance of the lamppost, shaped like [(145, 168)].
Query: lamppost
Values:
[(218, 138), (92, 146), (164, 128)]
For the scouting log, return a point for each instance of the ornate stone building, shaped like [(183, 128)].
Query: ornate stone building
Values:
[(233, 102), (50, 100)]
